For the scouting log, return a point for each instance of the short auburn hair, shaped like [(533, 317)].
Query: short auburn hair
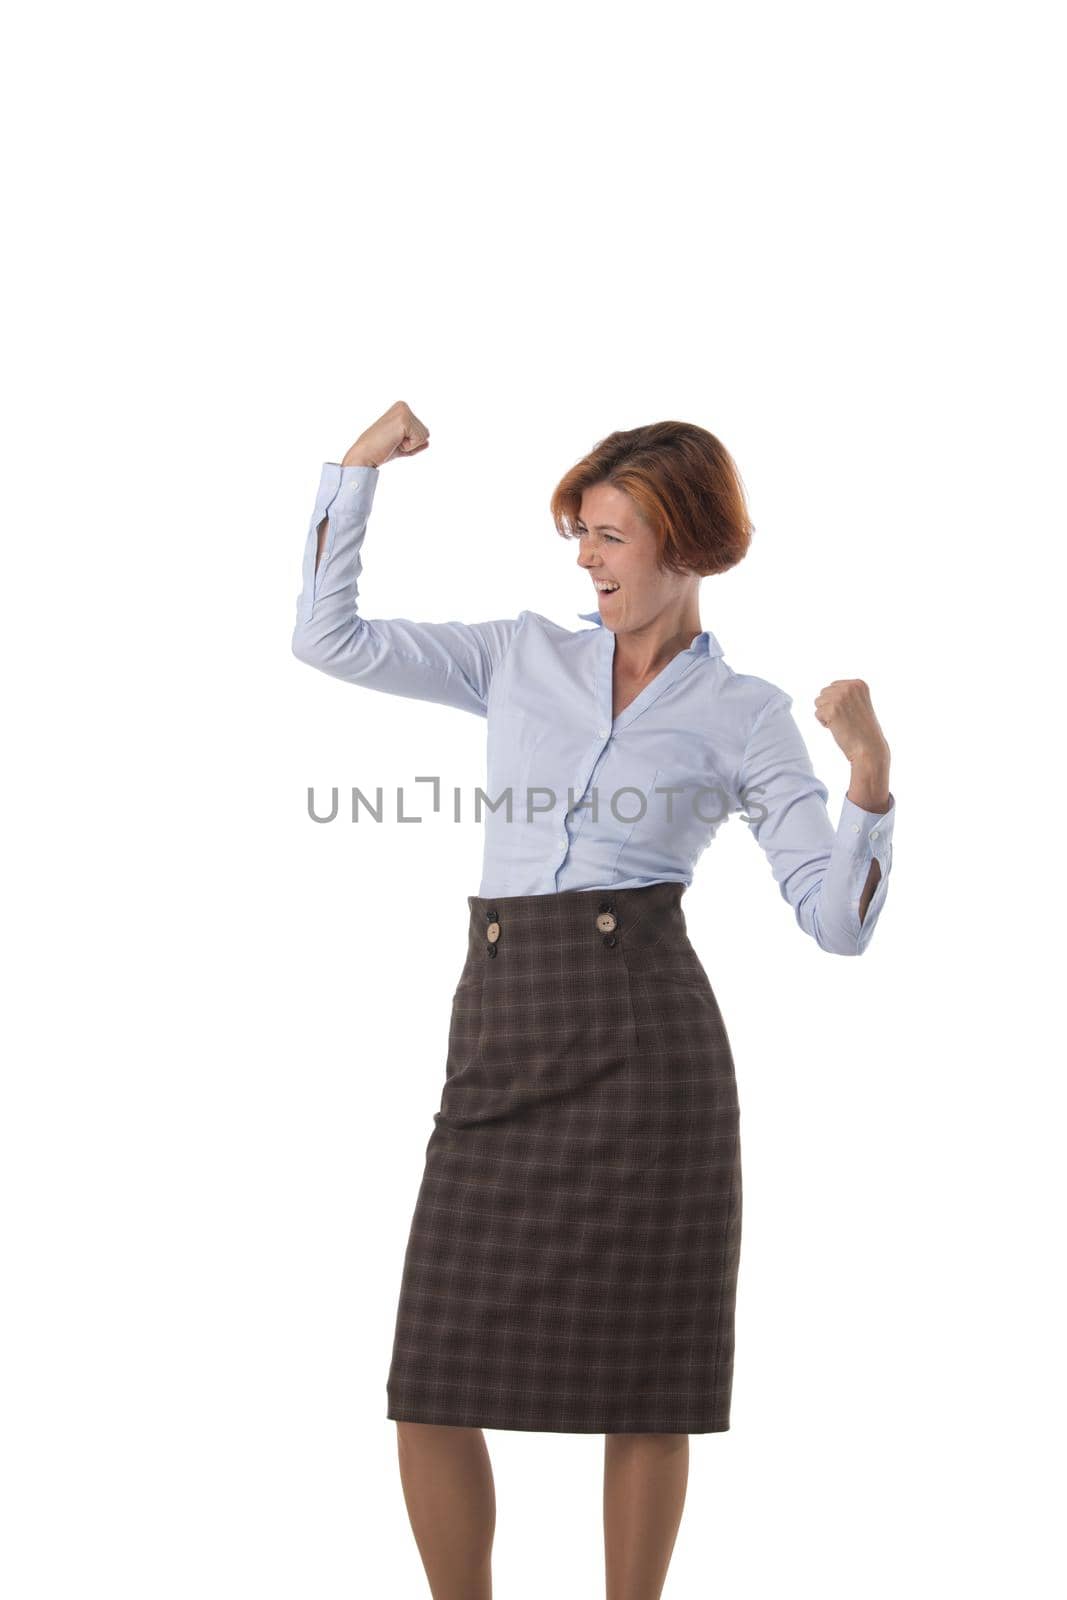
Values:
[(683, 482)]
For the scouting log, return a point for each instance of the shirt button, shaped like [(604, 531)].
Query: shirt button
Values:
[(603, 732), (874, 833), (855, 827)]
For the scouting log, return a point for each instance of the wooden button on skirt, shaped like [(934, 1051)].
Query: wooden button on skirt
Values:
[(572, 1261)]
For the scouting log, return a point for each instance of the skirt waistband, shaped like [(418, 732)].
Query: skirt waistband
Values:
[(643, 915)]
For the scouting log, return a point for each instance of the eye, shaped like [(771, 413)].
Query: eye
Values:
[(580, 530)]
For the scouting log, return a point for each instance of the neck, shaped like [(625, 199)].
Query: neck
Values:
[(641, 652)]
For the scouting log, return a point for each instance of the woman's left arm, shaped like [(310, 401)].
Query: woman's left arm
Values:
[(869, 789), (834, 878), (844, 707)]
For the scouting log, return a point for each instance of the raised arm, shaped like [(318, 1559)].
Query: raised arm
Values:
[(835, 879), (450, 663)]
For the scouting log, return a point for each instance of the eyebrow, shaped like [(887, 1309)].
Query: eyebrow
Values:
[(601, 527)]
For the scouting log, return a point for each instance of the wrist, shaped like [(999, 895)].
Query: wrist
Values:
[(871, 759), (869, 784), (356, 458)]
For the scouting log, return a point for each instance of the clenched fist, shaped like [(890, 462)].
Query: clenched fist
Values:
[(844, 707), (398, 432)]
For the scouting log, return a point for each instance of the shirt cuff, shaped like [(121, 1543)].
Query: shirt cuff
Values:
[(345, 490), (869, 833)]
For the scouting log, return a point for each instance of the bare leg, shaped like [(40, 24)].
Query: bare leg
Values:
[(451, 1499), (645, 1479)]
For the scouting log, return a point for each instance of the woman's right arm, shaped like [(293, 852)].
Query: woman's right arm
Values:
[(451, 663)]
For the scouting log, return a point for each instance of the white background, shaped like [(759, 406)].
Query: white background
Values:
[(829, 234)]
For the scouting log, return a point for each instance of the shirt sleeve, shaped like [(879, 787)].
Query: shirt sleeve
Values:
[(451, 663), (820, 871)]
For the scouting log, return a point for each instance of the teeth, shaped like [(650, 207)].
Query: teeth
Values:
[(607, 588)]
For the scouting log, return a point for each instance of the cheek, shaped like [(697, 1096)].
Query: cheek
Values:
[(642, 576), (635, 567)]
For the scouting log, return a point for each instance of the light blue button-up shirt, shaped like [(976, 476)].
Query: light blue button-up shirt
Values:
[(577, 798)]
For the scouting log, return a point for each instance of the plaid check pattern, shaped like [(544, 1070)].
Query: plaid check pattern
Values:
[(573, 1255)]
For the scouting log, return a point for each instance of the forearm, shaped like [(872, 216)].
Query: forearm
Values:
[(869, 784), (354, 458), (869, 788)]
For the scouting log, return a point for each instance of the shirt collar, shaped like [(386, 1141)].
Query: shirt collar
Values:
[(704, 644)]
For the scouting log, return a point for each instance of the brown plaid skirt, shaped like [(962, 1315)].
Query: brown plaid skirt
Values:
[(573, 1256)]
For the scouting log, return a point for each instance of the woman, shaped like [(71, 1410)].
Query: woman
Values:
[(573, 1256)]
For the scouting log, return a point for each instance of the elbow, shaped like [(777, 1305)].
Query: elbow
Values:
[(835, 940), (316, 646), (304, 646), (841, 947), (837, 934), (843, 941), (345, 652)]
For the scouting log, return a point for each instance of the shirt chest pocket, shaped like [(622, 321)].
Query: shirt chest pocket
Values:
[(626, 811)]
